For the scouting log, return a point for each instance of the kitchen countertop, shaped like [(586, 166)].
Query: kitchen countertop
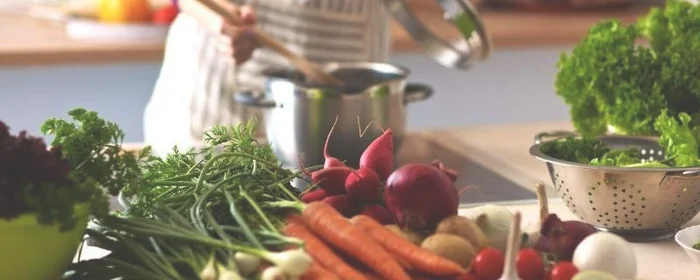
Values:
[(503, 149), (32, 41), (655, 261)]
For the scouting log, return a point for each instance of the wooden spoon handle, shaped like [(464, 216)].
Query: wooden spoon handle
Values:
[(309, 69)]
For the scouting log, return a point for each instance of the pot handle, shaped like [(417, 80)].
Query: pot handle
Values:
[(556, 134), (249, 98), (415, 92)]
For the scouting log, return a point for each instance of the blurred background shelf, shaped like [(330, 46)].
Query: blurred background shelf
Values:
[(27, 41)]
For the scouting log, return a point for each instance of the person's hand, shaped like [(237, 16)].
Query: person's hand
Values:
[(240, 42)]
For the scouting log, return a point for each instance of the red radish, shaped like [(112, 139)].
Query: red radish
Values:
[(363, 184), (378, 213), (420, 196), (343, 204), (562, 237), (315, 195), (331, 161), (379, 155), (448, 171), (332, 180)]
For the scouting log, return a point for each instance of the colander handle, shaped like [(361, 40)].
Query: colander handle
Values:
[(556, 134)]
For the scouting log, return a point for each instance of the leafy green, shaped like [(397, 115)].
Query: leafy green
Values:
[(92, 145), (580, 150), (610, 79), (232, 167), (189, 208), (619, 157), (93, 149), (678, 139), (36, 179)]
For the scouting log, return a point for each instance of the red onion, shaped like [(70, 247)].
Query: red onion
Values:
[(420, 196), (561, 237)]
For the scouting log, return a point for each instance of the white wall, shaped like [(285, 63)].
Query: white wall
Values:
[(513, 86)]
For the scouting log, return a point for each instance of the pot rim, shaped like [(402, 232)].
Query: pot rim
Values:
[(402, 73)]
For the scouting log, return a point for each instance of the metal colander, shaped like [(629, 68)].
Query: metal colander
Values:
[(639, 204)]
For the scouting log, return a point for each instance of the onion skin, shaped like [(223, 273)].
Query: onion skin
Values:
[(561, 237), (420, 196), (448, 171)]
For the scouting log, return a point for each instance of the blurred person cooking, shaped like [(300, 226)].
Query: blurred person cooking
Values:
[(207, 60)]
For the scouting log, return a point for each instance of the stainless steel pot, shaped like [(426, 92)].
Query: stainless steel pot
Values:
[(299, 116)]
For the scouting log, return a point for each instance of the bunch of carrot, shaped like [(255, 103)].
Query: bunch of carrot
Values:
[(358, 191), (361, 248)]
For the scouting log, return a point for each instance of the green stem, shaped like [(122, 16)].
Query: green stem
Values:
[(281, 238), (211, 162), (287, 204), (241, 222), (173, 184), (258, 211), (196, 210), (147, 229)]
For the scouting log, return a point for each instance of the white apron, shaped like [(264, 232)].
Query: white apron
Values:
[(196, 83)]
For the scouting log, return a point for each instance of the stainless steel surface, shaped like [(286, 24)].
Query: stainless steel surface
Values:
[(473, 44), (298, 116), (639, 204)]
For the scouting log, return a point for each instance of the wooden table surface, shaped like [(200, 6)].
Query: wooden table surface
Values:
[(27, 41)]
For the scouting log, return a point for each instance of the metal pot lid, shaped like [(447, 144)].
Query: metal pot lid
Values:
[(473, 42)]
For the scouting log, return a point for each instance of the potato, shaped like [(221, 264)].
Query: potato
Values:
[(451, 247), (465, 228), (410, 235)]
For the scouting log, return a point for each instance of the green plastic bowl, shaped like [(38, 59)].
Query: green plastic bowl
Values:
[(38, 252)]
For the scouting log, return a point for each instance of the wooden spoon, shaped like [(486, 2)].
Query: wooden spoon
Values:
[(514, 238), (310, 70)]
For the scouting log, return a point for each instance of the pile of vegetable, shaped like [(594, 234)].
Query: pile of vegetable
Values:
[(415, 195), (489, 240), (679, 139), (610, 79), (228, 211)]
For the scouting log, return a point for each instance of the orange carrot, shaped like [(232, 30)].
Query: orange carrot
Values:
[(328, 224), (417, 257), (371, 276), (319, 251), (318, 272)]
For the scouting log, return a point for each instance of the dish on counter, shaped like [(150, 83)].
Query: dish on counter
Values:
[(689, 240)]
